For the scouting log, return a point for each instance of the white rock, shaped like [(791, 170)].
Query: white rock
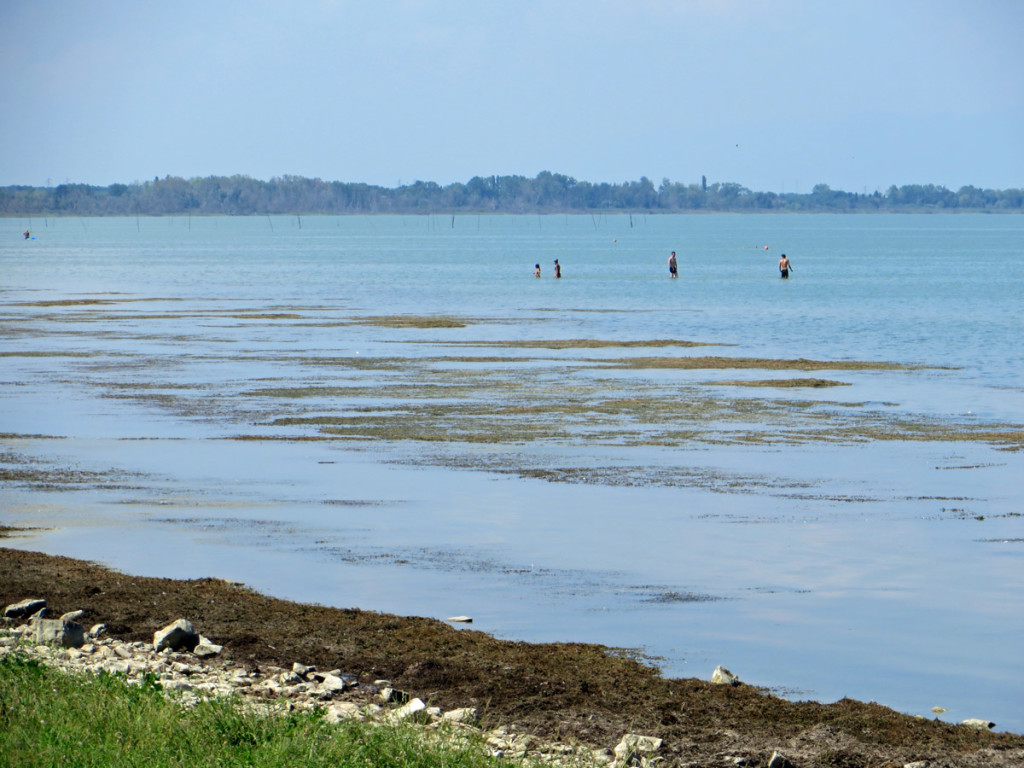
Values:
[(408, 710), (722, 676), (778, 760), (119, 667), (974, 722), (634, 743), (463, 715), (333, 683), (393, 696)]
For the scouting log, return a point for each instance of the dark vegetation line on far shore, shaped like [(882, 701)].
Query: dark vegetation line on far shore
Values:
[(546, 193)]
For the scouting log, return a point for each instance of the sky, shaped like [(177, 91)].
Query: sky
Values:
[(774, 95)]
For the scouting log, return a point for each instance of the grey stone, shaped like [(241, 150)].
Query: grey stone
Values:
[(177, 636), (393, 696), (207, 650), (69, 634), (24, 609), (176, 685), (72, 615), (343, 710), (975, 722), (778, 760)]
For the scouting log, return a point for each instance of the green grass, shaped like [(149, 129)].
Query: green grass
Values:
[(49, 718)]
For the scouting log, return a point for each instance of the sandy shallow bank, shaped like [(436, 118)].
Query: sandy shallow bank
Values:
[(573, 691)]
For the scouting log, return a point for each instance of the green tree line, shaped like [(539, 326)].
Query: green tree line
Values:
[(546, 193)]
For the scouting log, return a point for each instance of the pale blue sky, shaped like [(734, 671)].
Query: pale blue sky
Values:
[(775, 95)]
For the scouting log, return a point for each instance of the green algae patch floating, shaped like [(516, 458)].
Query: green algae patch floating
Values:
[(763, 363), (587, 344), (795, 383), (415, 321)]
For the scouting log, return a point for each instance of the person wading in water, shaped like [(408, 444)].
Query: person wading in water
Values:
[(784, 267)]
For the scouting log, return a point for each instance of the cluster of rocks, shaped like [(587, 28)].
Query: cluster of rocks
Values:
[(188, 664)]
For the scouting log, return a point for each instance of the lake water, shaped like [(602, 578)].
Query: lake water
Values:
[(273, 400)]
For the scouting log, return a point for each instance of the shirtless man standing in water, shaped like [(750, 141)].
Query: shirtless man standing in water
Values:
[(784, 267), (673, 265)]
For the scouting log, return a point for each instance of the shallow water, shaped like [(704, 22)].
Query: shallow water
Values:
[(821, 567)]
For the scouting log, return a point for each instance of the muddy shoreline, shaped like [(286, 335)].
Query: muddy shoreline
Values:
[(569, 691)]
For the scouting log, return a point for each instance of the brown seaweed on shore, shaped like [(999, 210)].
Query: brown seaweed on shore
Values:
[(570, 691)]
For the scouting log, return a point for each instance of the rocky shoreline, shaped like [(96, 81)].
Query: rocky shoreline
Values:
[(558, 703), (184, 664)]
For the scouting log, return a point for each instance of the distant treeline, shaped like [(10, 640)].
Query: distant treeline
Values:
[(546, 193)]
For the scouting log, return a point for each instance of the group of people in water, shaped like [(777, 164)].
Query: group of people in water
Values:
[(673, 267), (558, 269)]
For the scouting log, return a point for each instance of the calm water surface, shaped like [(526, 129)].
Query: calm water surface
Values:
[(880, 570)]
